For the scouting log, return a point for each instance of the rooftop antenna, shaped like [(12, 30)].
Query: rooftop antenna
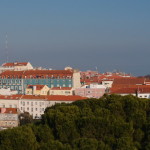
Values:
[(6, 47)]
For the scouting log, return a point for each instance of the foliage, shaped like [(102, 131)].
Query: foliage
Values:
[(25, 118), (110, 123)]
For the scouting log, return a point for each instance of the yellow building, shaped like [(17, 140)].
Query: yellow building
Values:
[(61, 91), (37, 90)]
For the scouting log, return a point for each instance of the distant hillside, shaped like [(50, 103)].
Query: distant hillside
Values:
[(110, 123)]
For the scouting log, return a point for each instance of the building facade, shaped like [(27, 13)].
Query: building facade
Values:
[(19, 80), (91, 91), (61, 91), (37, 90), (35, 104), (9, 118), (16, 66)]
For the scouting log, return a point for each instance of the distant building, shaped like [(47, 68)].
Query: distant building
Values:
[(7, 91), (37, 90), (61, 91), (16, 66), (139, 91), (19, 80), (8, 117), (33, 104), (91, 91)]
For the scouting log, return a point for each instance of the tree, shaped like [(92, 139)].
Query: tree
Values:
[(25, 118)]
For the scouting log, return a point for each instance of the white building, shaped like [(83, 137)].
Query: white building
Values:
[(35, 105), (139, 92), (16, 66), (7, 91)]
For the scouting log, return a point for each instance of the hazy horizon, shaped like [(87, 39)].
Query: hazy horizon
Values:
[(83, 34)]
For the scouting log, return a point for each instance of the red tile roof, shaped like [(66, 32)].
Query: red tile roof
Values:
[(14, 64), (131, 81), (46, 97), (130, 90), (38, 74), (8, 110)]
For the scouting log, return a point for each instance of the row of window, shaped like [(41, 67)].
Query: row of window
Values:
[(12, 87), (32, 103), (32, 109), (10, 81)]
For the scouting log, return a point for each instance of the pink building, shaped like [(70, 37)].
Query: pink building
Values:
[(90, 91)]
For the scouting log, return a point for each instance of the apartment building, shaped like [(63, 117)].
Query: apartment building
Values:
[(9, 118), (61, 91), (35, 104), (19, 80), (91, 91), (16, 66), (37, 90)]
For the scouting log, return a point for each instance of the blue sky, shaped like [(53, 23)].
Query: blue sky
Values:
[(109, 34)]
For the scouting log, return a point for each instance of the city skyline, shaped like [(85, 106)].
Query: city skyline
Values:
[(84, 35)]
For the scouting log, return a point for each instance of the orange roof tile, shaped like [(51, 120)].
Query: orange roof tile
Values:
[(130, 90), (8, 110), (37, 74), (46, 97), (10, 64)]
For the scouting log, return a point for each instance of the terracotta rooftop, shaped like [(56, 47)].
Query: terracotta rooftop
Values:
[(8, 110), (37, 74), (130, 90), (131, 81), (12, 64), (47, 97)]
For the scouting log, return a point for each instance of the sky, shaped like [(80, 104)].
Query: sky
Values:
[(84, 34)]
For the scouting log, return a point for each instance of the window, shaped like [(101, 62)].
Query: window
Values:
[(36, 109)]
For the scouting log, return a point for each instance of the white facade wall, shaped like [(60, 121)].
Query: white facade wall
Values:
[(7, 92), (140, 95), (144, 95), (76, 79), (107, 84), (9, 103), (36, 107), (21, 68)]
